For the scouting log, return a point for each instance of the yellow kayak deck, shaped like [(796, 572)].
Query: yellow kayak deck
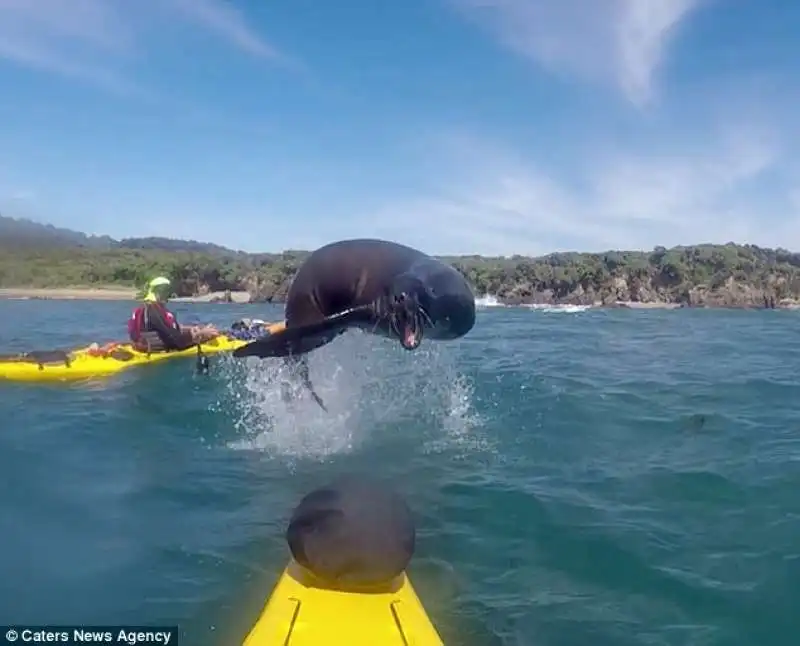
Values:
[(301, 612), (86, 363)]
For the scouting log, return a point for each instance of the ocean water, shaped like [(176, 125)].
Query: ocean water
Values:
[(584, 477)]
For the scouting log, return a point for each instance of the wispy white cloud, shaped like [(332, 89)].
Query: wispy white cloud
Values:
[(96, 41), (495, 200), (23, 195), (65, 38), (227, 21), (701, 168), (618, 41)]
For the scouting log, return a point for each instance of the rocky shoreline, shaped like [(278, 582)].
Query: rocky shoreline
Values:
[(655, 305), (622, 292), (637, 305), (486, 301)]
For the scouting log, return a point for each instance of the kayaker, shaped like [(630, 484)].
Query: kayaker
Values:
[(153, 328)]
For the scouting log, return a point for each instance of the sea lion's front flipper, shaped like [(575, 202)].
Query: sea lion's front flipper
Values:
[(297, 340)]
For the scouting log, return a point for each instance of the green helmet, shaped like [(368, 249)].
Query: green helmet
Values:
[(157, 289)]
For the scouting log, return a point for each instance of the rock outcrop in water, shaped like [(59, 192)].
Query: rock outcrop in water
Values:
[(705, 275)]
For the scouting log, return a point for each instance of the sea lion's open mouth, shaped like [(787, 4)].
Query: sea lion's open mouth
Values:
[(406, 321), (411, 337)]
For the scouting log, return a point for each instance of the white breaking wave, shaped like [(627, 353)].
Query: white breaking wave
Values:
[(559, 309), (488, 300)]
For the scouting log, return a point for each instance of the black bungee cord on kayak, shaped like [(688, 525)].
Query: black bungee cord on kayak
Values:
[(353, 534)]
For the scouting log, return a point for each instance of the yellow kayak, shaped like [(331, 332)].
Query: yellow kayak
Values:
[(300, 613), (94, 361)]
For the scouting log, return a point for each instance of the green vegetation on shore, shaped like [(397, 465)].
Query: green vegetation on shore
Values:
[(703, 275)]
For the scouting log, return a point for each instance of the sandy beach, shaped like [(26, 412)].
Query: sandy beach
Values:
[(239, 298), (105, 294), (68, 293)]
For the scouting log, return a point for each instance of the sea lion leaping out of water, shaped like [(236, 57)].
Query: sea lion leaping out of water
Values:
[(378, 286)]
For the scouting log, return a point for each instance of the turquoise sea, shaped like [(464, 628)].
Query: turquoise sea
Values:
[(598, 477)]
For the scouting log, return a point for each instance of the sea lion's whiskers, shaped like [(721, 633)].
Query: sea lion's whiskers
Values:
[(425, 317)]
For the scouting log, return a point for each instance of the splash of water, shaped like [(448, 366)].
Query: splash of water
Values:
[(369, 386)]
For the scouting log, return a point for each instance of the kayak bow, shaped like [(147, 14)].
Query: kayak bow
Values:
[(300, 612), (346, 584)]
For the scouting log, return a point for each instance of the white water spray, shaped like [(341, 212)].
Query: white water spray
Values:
[(370, 386)]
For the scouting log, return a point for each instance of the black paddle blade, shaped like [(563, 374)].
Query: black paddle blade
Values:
[(317, 398), (203, 366), (303, 371), (297, 340), (288, 395)]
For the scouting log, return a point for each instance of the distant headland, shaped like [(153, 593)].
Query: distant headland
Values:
[(42, 261)]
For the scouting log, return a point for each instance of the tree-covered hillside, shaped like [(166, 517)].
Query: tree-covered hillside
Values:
[(705, 274)]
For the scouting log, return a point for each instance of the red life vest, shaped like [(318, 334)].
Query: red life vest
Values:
[(139, 323)]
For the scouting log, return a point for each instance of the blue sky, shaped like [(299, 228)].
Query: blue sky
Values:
[(457, 126)]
